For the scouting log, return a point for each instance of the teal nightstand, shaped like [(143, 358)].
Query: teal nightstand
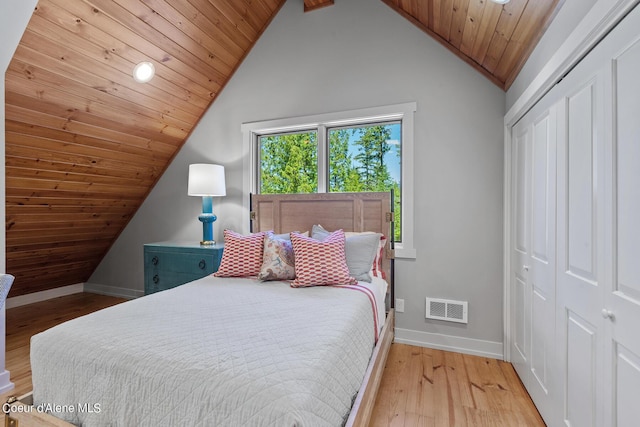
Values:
[(171, 264)]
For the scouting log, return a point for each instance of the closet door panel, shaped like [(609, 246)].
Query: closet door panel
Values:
[(533, 256), (623, 300), (522, 326), (627, 381), (542, 259), (521, 295), (542, 340), (581, 372), (521, 192), (543, 192), (627, 68), (580, 200), (579, 289)]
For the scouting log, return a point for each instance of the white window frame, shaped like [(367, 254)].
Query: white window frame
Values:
[(398, 112)]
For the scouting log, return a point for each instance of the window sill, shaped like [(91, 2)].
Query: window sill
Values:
[(405, 253)]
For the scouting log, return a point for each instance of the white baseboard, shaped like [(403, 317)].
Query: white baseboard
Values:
[(44, 295), (72, 289), (112, 291), (5, 384), (450, 343)]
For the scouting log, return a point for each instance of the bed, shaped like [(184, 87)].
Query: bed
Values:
[(234, 350)]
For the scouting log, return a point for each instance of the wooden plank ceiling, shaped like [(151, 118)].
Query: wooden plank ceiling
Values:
[(495, 39), (310, 5), (85, 143)]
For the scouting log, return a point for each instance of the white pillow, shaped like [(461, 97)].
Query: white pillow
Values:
[(360, 249)]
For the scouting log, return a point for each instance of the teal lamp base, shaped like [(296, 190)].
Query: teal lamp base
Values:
[(207, 217)]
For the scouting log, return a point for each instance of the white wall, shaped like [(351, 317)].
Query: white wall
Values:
[(568, 17), (358, 54), (14, 16)]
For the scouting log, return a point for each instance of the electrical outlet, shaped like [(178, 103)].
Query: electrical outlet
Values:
[(399, 305)]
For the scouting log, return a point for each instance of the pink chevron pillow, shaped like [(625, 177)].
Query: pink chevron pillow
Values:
[(320, 263), (242, 255)]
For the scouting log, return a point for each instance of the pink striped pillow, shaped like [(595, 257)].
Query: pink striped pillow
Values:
[(242, 255), (322, 262), (376, 269)]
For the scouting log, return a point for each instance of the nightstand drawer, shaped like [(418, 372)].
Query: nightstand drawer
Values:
[(170, 264), (181, 262), (159, 281)]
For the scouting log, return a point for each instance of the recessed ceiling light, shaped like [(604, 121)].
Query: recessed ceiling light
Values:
[(143, 72), (501, 1)]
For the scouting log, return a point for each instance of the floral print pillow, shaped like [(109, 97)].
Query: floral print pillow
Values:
[(277, 259)]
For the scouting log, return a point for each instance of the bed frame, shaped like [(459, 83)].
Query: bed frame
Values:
[(351, 212), (289, 212)]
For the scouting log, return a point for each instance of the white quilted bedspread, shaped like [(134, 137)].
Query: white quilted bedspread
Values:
[(214, 352)]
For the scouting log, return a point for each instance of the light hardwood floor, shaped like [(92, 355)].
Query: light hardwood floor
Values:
[(426, 387), (420, 386)]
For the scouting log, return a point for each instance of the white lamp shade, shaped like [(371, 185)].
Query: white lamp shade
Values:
[(206, 180)]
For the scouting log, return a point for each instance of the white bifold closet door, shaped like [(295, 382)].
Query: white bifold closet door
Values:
[(534, 254), (621, 305), (575, 285), (581, 272), (598, 274)]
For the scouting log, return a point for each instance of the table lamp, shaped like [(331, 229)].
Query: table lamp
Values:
[(207, 181)]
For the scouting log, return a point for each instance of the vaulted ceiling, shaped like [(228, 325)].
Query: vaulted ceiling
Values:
[(494, 39), (85, 143)]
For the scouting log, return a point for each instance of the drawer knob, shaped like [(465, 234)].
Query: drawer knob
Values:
[(156, 278), (154, 260), (202, 264)]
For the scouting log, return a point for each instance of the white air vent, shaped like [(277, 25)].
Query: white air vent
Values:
[(444, 309)]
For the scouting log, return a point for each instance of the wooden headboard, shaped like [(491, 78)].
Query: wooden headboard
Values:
[(283, 213)]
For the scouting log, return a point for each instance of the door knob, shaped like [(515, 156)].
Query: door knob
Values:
[(607, 314), (525, 267)]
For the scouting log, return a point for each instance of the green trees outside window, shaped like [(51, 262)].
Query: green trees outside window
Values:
[(289, 163), (360, 158)]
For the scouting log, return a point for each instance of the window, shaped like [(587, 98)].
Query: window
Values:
[(288, 163), (361, 158), (368, 158), (364, 150)]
